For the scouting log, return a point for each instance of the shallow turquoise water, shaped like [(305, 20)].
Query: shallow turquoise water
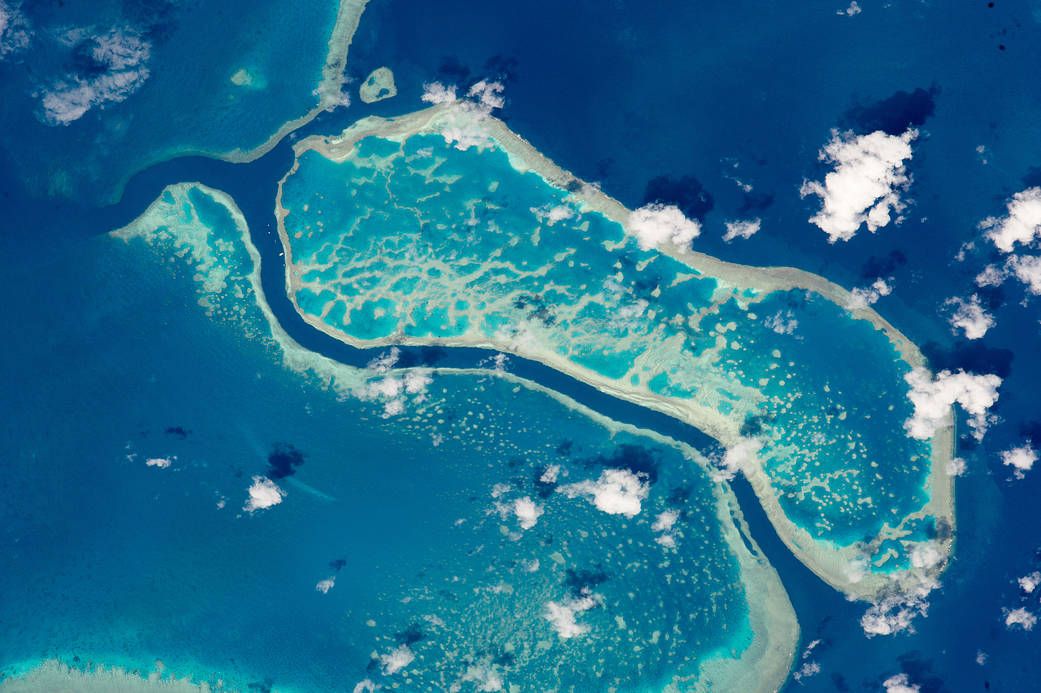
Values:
[(428, 242), (403, 511)]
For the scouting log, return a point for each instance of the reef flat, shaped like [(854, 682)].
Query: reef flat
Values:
[(530, 540), (445, 228)]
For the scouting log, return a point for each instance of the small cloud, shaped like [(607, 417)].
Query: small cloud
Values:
[(1021, 459), (1029, 583), (1027, 269), (616, 492), (782, 322), (435, 93), (664, 524), (563, 615), (396, 660), (1020, 618), (866, 185), (325, 585), (900, 684), (862, 297), (955, 466), (527, 512), (655, 224), (1021, 225), (970, 317), (933, 398), (741, 229), (852, 11), (160, 462), (263, 494)]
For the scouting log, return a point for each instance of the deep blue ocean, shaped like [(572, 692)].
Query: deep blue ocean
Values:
[(108, 359)]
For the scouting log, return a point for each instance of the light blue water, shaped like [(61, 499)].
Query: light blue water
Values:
[(409, 504), (425, 241)]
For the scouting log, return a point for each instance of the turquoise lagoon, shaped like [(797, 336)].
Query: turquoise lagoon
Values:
[(398, 232), (117, 86), (399, 554)]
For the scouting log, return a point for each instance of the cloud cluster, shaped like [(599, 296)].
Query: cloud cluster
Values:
[(563, 615), (1021, 226), (862, 297), (263, 494), (663, 525), (655, 224), (1021, 459), (616, 492), (325, 585), (481, 99), (933, 398), (15, 32), (907, 596), (120, 58), (742, 229), (970, 317), (397, 659), (160, 462), (484, 675), (391, 389), (866, 184)]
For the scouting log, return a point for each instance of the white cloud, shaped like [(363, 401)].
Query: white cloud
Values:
[(738, 457), (896, 610), (1029, 583), (782, 322), (550, 474), (160, 462), (1021, 459), (435, 93), (123, 54), (852, 11), (933, 398), (663, 524), (365, 686), (396, 660), (862, 297), (15, 32), (742, 229), (1027, 269), (485, 676), (992, 275), (488, 94), (970, 317), (866, 184), (1021, 225), (1020, 618), (955, 466), (551, 215), (325, 585), (655, 224), (900, 683), (616, 492), (562, 615), (527, 512), (263, 494), (481, 99)]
